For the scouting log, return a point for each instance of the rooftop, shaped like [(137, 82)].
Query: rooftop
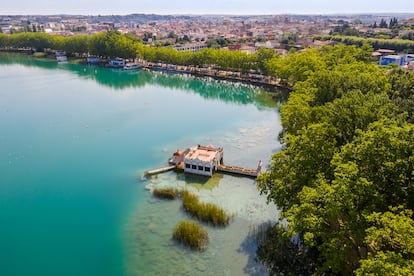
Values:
[(203, 153)]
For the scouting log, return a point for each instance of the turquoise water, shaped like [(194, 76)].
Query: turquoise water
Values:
[(74, 143)]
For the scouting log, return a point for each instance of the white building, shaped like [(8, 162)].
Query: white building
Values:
[(203, 160), (190, 47)]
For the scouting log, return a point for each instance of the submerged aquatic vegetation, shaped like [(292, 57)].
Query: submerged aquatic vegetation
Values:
[(205, 212), (191, 234)]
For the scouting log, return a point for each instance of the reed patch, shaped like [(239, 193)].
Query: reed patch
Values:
[(205, 212), (191, 234)]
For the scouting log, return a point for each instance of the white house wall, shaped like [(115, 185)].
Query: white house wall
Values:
[(200, 166)]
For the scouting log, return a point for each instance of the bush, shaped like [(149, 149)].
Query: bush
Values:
[(205, 212), (191, 234), (166, 193)]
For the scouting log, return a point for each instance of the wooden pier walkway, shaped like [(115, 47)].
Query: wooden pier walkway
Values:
[(237, 171), (249, 78), (160, 170), (221, 168)]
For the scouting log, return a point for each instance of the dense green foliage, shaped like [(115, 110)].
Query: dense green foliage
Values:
[(344, 29), (399, 45), (206, 212), (114, 44), (191, 234), (344, 179), (166, 193), (374, 30)]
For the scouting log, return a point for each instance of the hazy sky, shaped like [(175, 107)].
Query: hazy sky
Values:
[(108, 7)]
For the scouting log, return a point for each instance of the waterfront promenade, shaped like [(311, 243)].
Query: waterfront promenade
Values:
[(252, 77)]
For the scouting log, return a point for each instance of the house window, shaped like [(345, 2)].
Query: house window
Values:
[(194, 167), (187, 166), (208, 169), (200, 168)]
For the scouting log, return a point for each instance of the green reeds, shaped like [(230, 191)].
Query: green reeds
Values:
[(205, 212), (166, 193), (191, 234)]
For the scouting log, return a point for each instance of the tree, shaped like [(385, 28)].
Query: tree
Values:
[(391, 241), (346, 163), (393, 23), (383, 23), (172, 35), (34, 40), (386, 263), (344, 29), (112, 44), (296, 67), (262, 56), (385, 156), (402, 92), (97, 45), (76, 44), (328, 195), (212, 43), (4, 40)]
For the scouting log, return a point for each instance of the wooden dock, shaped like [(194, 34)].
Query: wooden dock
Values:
[(237, 171), (234, 170), (160, 170)]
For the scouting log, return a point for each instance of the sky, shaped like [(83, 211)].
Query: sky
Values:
[(122, 7)]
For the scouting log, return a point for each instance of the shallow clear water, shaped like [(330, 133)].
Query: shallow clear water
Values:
[(74, 143)]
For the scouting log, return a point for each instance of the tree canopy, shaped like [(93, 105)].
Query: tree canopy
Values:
[(344, 179)]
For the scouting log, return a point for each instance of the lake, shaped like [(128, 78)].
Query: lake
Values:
[(75, 141)]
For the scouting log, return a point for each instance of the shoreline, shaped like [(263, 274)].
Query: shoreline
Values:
[(251, 78), (266, 82)]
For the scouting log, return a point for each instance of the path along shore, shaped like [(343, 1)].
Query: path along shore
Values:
[(251, 77)]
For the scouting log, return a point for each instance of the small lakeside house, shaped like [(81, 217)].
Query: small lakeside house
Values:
[(203, 160)]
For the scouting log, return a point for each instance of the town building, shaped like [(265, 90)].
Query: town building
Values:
[(391, 59), (190, 47)]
